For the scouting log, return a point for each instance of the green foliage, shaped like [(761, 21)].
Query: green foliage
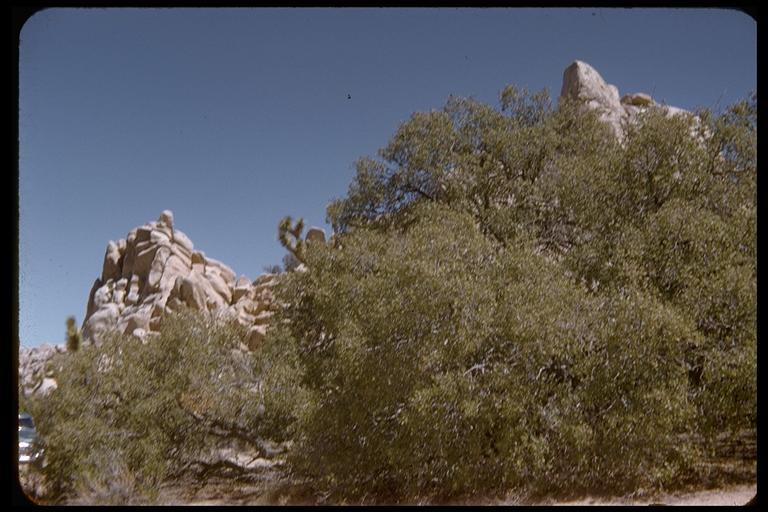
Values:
[(290, 262), (441, 365), (289, 236), (73, 335), (515, 298), (141, 412)]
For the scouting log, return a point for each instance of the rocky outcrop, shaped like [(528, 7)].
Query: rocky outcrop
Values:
[(36, 375), (155, 270), (583, 83)]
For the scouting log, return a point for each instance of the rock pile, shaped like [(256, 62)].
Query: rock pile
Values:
[(153, 271), (35, 372), (582, 82), (156, 270)]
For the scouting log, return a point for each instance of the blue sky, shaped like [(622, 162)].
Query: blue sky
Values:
[(233, 118)]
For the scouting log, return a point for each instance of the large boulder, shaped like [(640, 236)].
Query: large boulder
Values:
[(581, 82), (638, 99), (156, 270), (36, 375)]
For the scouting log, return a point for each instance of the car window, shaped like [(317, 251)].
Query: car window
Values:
[(26, 422)]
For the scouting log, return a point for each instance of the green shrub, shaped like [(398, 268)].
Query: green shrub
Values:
[(515, 299), (140, 412), (437, 365)]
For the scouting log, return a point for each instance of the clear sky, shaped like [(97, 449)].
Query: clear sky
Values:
[(233, 118)]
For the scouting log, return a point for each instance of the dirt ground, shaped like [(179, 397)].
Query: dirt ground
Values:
[(253, 495), (728, 496), (255, 492)]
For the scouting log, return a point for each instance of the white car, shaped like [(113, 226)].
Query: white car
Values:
[(29, 449)]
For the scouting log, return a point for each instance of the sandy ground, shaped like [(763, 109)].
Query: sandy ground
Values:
[(729, 496), (253, 494)]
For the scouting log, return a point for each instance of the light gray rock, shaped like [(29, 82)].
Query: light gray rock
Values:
[(137, 320), (315, 234), (157, 267), (183, 242), (192, 295), (240, 290), (130, 256), (36, 371), (244, 317), (218, 284), (182, 254), (161, 237), (133, 290), (174, 266), (47, 385), (143, 262), (263, 317), (227, 273), (91, 307), (155, 270), (119, 292), (213, 301), (581, 82), (111, 268), (103, 295), (166, 218), (638, 99), (102, 320)]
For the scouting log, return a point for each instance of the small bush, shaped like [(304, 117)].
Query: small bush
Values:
[(132, 413)]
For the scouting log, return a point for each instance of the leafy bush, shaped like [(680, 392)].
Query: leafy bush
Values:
[(516, 299), (135, 412), (439, 365)]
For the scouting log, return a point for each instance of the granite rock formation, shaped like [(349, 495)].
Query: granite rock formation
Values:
[(155, 270), (36, 375), (582, 82)]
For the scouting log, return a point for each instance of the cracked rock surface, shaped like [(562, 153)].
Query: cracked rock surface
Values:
[(155, 270), (36, 375), (583, 83)]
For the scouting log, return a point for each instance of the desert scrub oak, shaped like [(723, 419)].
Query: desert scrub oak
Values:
[(143, 411), (514, 298), (437, 364)]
